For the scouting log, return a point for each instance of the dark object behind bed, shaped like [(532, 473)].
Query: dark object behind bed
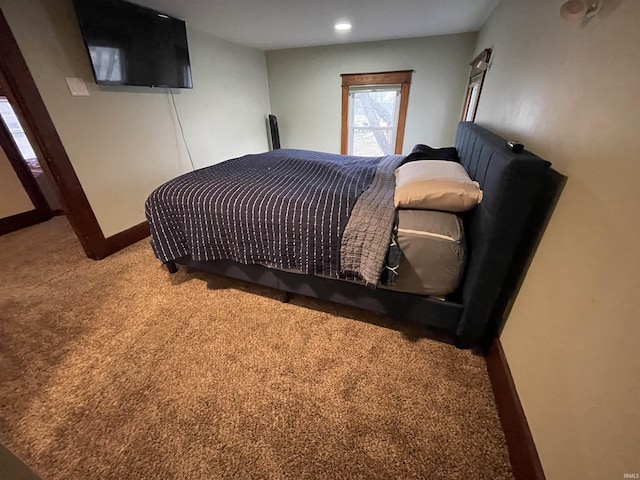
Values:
[(425, 152), (510, 182), (274, 132)]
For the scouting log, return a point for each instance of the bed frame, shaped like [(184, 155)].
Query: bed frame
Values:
[(511, 183)]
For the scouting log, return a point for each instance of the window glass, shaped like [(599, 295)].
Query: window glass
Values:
[(373, 120)]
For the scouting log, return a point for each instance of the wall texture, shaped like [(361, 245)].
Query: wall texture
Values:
[(125, 141), (13, 196), (571, 94), (305, 87)]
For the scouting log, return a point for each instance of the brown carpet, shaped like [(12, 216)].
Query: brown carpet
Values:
[(115, 370)]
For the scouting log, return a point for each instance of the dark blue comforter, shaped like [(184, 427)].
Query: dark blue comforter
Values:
[(286, 209)]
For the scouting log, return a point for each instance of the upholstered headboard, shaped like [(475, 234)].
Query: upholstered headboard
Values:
[(511, 183)]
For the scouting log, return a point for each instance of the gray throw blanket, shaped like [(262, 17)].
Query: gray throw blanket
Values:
[(318, 213), (366, 238)]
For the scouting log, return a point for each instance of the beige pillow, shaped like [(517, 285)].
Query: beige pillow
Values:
[(436, 185)]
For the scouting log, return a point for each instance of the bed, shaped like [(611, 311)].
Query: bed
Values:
[(343, 226)]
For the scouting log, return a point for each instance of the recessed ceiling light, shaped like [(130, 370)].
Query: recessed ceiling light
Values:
[(342, 26)]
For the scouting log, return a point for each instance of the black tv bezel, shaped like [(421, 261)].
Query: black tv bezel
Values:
[(149, 11)]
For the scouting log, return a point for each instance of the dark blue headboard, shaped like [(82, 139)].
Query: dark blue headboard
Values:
[(510, 183)]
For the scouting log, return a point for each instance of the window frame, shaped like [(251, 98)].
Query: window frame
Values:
[(478, 71), (401, 77)]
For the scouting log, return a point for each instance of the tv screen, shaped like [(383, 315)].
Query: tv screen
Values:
[(133, 45)]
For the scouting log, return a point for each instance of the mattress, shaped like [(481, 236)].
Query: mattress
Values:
[(433, 252)]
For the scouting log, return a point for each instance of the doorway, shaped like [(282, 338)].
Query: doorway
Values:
[(22, 202), (20, 88), (16, 131)]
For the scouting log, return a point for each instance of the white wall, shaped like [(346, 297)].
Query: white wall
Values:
[(13, 197), (305, 87), (124, 141), (224, 115), (571, 94)]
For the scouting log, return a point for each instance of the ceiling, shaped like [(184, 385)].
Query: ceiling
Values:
[(277, 24)]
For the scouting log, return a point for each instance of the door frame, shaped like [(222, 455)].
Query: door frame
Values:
[(24, 96), (41, 211)]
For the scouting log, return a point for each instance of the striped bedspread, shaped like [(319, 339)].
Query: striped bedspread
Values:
[(287, 209)]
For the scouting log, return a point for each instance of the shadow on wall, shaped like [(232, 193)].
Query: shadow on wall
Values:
[(611, 6), (540, 218), (69, 39)]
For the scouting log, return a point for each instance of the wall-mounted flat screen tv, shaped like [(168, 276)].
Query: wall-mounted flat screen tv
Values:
[(133, 45)]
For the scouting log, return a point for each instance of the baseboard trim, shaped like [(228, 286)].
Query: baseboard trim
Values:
[(525, 461), (22, 220), (12, 468), (122, 240)]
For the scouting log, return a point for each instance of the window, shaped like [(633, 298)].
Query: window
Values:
[(479, 66), (374, 110), (15, 129)]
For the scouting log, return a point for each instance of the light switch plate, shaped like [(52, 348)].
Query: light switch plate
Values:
[(77, 87)]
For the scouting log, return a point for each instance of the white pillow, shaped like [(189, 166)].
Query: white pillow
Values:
[(436, 185)]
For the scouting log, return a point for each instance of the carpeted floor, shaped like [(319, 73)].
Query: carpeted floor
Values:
[(116, 370)]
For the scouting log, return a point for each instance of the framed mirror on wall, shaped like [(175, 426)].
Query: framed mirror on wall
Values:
[(479, 67)]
